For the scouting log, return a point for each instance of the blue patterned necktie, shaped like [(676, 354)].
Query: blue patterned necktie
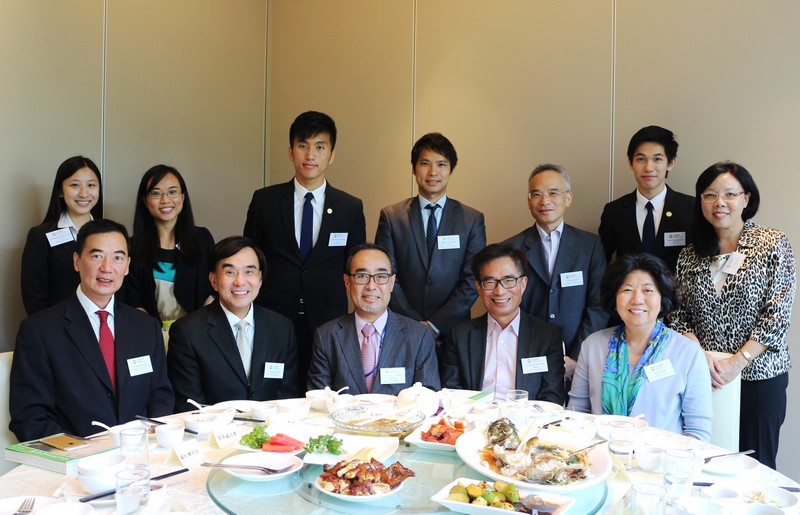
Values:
[(430, 236)]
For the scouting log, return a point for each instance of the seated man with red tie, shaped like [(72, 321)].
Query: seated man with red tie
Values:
[(89, 357), (372, 350)]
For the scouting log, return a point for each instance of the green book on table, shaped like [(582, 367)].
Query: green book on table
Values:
[(42, 455)]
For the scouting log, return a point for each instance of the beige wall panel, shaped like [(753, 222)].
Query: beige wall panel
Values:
[(185, 87), (50, 85), (351, 59), (513, 86), (723, 75)]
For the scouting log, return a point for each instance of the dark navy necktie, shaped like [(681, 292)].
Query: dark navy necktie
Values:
[(649, 229), (307, 228), (430, 237)]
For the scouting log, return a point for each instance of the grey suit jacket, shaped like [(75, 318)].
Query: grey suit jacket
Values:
[(575, 309), (204, 364), (465, 357), (443, 291), (336, 359)]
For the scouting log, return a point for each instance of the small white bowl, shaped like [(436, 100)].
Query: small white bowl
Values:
[(97, 484), (318, 399), (169, 435), (294, 409), (202, 423), (105, 464), (648, 458), (224, 415), (340, 401), (458, 408), (488, 411), (264, 410)]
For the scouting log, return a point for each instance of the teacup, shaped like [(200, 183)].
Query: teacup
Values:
[(648, 458), (264, 410), (169, 435)]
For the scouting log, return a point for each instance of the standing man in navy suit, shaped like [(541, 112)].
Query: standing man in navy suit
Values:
[(505, 349), (654, 218), (568, 264), (89, 357), (372, 350), (432, 238), (232, 349), (306, 228)]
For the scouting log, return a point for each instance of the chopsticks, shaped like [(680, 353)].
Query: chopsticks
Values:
[(160, 423), (112, 492)]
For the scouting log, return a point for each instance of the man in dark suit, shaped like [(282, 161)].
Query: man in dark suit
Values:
[(505, 349), (372, 350), (432, 238), (568, 264), (89, 357), (654, 218), (306, 228), (233, 349)]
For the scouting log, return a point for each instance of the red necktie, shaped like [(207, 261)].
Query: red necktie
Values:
[(107, 346)]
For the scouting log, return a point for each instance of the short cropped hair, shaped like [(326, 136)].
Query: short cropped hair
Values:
[(232, 245), (435, 142), (369, 246), (653, 265), (496, 251), (654, 134), (549, 167), (98, 226), (310, 124)]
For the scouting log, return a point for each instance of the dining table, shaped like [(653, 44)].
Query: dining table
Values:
[(204, 490)]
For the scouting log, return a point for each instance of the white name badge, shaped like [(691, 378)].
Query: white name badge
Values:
[(59, 236), (675, 239), (273, 370), (572, 279), (337, 239), (393, 375), (534, 365), (449, 241), (188, 453), (140, 365), (225, 436), (734, 262), (659, 370)]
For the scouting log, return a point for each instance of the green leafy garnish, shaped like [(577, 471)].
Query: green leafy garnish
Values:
[(255, 438), (324, 444)]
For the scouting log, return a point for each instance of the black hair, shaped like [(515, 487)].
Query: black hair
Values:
[(67, 169), (435, 142), (653, 265), (231, 246), (496, 251), (368, 246), (98, 226), (310, 124), (654, 134)]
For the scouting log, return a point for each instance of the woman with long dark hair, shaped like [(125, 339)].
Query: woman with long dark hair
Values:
[(48, 274)]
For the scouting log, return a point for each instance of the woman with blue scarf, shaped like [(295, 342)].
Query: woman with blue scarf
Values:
[(643, 367)]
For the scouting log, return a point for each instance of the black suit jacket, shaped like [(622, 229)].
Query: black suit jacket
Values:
[(204, 363), (59, 380), (336, 361), (575, 309), (465, 357), (620, 234), (48, 275), (318, 281), (443, 290)]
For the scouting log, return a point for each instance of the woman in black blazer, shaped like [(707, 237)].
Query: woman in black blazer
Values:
[(169, 254), (48, 274)]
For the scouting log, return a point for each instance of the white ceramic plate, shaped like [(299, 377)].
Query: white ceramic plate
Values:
[(385, 447), (416, 438), (265, 459), (471, 443), (377, 398), (548, 408), (603, 420), (302, 432), (9, 505), (730, 465), (473, 509), (466, 394), (356, 498), (243, 406)]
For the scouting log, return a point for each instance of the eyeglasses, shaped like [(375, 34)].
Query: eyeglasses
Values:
[(728, 196), (361, 278), (505, 282), (539, 195), (157, 194)]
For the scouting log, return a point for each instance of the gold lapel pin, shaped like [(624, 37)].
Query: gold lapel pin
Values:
[(330, 211), (669, 214)]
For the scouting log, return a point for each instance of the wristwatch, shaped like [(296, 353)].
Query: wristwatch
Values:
[(747, 355)]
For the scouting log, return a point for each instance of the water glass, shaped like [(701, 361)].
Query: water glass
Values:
[(133, 491), (620, 441), (678, 469), (648, 499), (517, 408), (134, 446)]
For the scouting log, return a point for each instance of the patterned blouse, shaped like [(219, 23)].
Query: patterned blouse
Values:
[(755, 303)]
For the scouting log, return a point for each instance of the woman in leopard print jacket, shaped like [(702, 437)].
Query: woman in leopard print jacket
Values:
[(738, 283)]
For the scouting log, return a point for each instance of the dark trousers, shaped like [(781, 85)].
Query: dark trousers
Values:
[(304, 344), (762, 412)]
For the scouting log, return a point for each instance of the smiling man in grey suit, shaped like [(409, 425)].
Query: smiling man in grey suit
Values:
[(568, 264), (372, 350), (233, 349), (432, 238), (505, 349)]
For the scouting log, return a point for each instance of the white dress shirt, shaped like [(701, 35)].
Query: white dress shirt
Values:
[(551, 242), (233, 320), (317, 204), (500, 363), (91, 311), (641, 209)]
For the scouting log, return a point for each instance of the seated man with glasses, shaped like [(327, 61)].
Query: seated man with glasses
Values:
[(372, 350), (505, 349), (568, 264)]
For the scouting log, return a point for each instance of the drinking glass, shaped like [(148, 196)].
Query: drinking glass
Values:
[(648, 499), (678, 469), (133, 490), (620, 441), (517, 408), (133, 445)]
